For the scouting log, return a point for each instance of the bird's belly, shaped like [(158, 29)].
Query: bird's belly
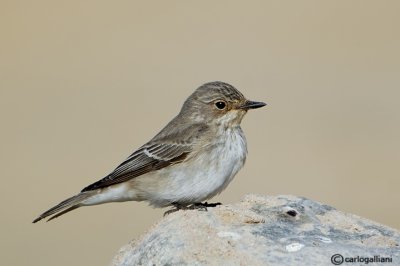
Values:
[(202, 177)]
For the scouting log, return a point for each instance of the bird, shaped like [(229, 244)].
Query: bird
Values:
[(192, 159)]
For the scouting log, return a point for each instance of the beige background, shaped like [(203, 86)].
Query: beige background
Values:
[(84, 83)]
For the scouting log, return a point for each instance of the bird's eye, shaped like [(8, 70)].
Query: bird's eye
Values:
[(220, 105)]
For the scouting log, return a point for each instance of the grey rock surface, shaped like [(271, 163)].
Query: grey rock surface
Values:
[(264, 230)]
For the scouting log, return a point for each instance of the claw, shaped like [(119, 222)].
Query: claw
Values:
[(195, 206), (206, 204), (170, 211)]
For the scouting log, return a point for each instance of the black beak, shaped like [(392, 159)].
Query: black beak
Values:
[(252, 105)]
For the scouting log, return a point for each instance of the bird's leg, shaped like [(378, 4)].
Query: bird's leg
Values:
[(195, 206), (206, 204), (177, 207)]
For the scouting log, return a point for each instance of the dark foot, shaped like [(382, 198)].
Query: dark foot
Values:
[(177, 207), (206, 204), (170, 211), (196, 206)]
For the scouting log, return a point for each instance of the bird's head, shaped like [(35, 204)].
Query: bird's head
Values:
[(218, 103)]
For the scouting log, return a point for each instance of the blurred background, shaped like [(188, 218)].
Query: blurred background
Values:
[(85, 83)]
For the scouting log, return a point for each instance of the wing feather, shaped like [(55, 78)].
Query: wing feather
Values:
[(146, 159)]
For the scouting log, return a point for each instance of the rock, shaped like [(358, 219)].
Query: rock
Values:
[(263, 230)]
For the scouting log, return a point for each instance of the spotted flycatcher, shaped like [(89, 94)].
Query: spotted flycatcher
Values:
[(190, 160)]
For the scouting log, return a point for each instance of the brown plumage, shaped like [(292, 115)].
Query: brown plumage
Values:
[(191, 159)]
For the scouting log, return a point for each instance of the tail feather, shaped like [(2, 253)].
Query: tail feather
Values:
[(65, 206), (63, 212)]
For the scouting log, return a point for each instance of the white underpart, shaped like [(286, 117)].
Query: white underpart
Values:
[(206, 175)]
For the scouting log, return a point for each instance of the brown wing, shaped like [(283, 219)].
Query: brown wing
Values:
[(150, 157)]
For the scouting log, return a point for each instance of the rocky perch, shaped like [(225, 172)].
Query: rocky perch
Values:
[(264, 230)]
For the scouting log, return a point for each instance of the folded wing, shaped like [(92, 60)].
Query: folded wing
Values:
[(150, 157)]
